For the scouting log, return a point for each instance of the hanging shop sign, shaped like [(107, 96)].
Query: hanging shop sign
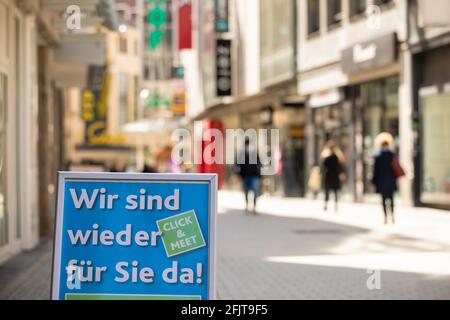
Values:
[(158, 99), (135, 237), (184, 24), (157, 20), (326, 98), (178, 106), (94, 106), (223, 68), (222, 16), (370, 54)]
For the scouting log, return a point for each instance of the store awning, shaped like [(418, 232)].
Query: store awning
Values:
[(103, 153), (85, 49), (154, 126), (280, 94), (83, 46)]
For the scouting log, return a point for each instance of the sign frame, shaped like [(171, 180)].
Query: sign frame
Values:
[(64, 177)]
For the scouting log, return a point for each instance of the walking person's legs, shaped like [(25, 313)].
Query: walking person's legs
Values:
[(385, 209), (256, 191), (247, 188), (327, 198), (336, 200), (392, 206)]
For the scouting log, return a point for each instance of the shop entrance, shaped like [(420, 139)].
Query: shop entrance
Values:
[(379, 114), (331, 123)]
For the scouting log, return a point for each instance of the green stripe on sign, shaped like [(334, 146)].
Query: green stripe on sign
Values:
[(127, 297)]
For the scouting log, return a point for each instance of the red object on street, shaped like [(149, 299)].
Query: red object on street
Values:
[(184, 24), (204, 167)]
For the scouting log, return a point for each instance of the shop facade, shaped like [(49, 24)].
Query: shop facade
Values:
[(330, 119), (280, 109), (290, 120), (355, 113), (432, 123), (264, 86)]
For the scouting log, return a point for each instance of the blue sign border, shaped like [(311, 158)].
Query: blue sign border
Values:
[(64, 177)]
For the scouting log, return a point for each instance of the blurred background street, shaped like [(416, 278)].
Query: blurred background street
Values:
[(347, 98), (300, 252)]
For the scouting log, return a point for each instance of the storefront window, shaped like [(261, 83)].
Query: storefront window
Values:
[(277, 41), (357, 7), (334, 12), (3, 215), (330, 123), (313, 16), (436, 154), (380, 114)]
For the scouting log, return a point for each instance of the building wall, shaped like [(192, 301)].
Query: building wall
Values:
[(18, 66), (320, 57), (122, 64), (247, 40), (322, 71), (277, 47), (428, 20)]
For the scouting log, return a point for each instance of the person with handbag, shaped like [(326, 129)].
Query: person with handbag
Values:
[(387, 170)]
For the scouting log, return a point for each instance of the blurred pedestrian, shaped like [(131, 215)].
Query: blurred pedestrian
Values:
[(250, 173), (386, 172), (148, 168), (332, 171)]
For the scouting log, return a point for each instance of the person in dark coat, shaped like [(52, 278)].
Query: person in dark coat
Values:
[(385, 180), (332, 170), (250, 173)]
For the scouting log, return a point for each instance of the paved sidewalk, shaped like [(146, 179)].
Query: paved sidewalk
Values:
[(422, 223), (293, 250), (27, 276)]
